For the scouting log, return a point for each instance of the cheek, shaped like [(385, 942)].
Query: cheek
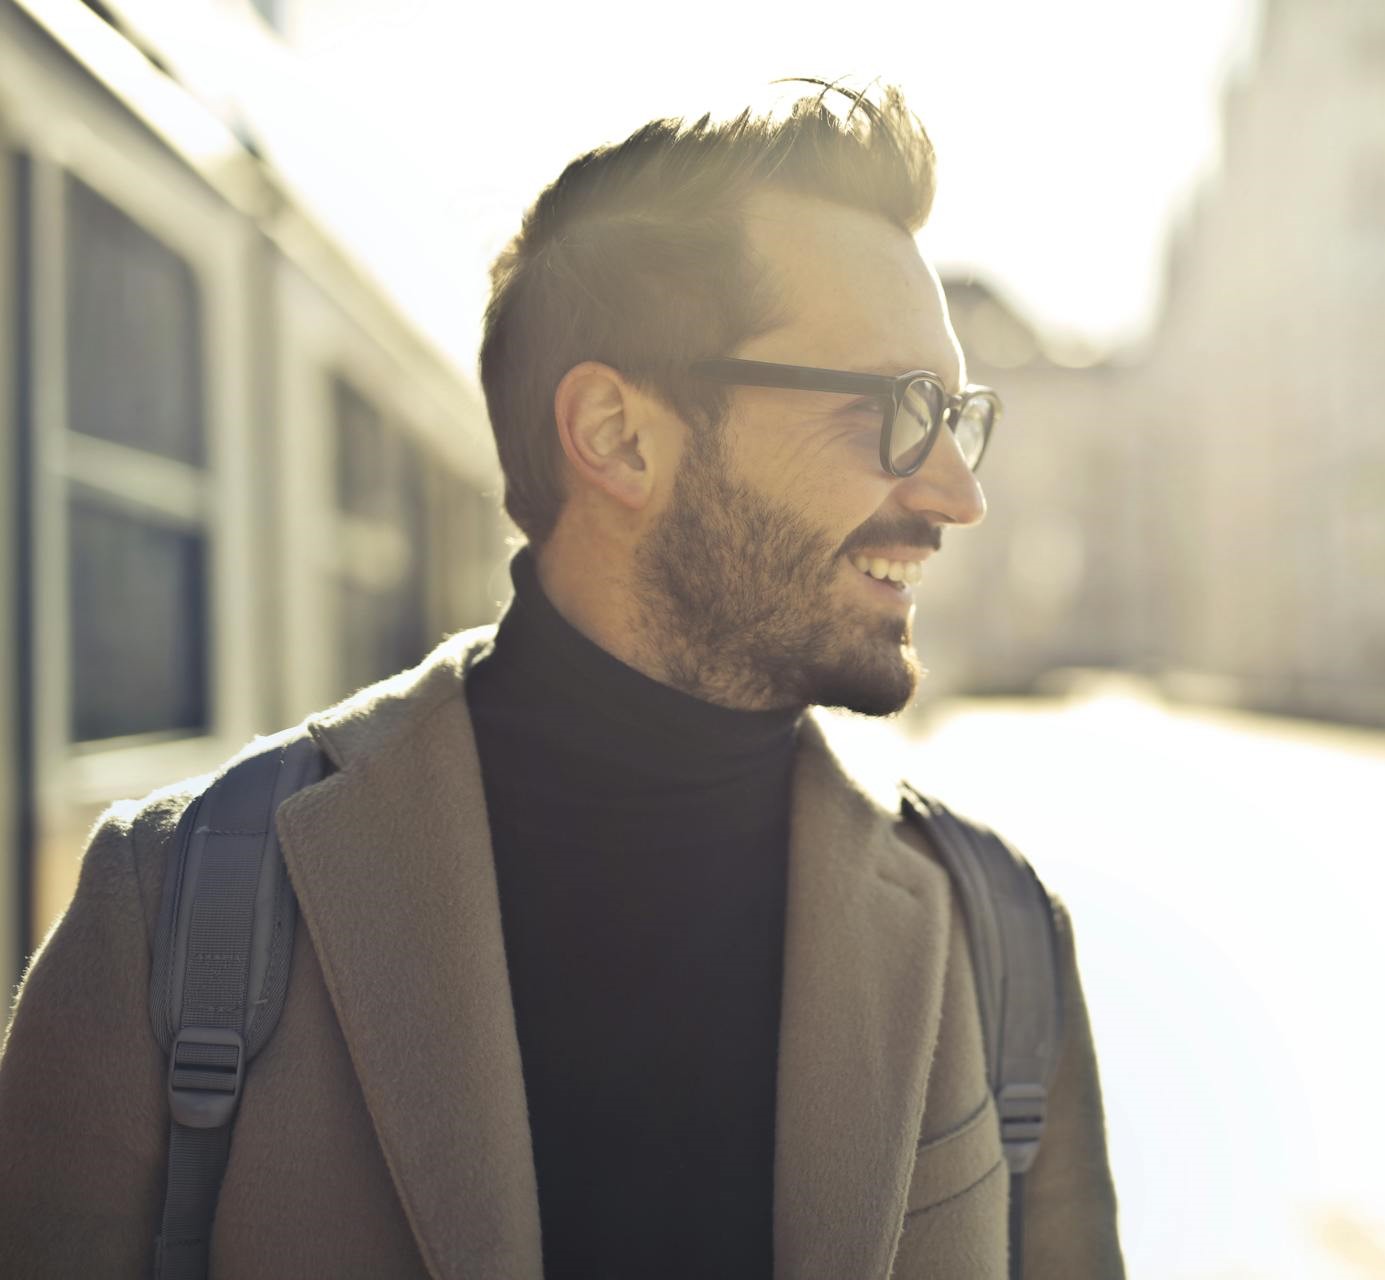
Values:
[(830, 482), (838, 486), (837, 510)]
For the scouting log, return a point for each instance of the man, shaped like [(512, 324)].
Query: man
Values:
[(608, 968)]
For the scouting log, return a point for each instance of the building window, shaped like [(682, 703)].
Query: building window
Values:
[(139, 623), (136, 451), (381, 589), (134, 334)]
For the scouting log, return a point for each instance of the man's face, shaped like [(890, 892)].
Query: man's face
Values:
[(747, 582)]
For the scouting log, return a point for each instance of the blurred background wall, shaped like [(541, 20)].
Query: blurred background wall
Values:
[(1212, 509), (246, 470), (239, 482)]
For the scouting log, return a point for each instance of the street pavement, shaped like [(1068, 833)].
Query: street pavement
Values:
[(1226, 877)]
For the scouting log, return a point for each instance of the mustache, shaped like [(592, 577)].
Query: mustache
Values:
[(912, 534)]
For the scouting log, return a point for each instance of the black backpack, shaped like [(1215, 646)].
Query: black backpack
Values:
[(225, 938)]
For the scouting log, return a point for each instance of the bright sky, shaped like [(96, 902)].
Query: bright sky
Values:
[(1069, 133)]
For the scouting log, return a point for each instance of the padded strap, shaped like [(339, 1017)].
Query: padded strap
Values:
[(221, 961), (1014, 955)]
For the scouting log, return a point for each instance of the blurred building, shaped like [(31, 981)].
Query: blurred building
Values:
[(238, 483), (1264, 373), (1051, 580), (1211, 510)]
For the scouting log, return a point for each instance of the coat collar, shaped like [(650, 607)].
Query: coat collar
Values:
[(391, 861)]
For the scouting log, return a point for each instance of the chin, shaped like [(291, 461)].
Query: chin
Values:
[(878, 688)]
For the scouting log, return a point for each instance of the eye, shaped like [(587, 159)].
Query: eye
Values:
[(860, 423), (872, 407)]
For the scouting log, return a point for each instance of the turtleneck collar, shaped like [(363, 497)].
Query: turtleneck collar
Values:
[(537, 649), (641, 842)]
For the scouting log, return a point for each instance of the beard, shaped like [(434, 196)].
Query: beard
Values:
[(735, 596)]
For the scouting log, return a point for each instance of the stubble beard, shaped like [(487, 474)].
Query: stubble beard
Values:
[(737, 602)]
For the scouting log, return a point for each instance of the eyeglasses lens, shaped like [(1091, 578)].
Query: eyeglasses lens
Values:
[(914, 425), (973, 426)]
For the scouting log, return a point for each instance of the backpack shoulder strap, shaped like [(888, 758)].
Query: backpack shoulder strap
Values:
[(1013, 943), (220, 974)]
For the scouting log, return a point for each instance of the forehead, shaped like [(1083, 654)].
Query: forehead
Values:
[(855, 292)]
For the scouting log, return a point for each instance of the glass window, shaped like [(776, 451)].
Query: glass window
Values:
[(376, 640), (363, 484), (137, 580), (134, 333), (138, 601), (467, 561), (382, 590)]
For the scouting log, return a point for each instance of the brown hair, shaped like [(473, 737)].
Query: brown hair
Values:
[(634, 258)]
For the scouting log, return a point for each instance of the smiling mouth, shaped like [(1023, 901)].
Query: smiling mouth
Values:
[(892, 573)]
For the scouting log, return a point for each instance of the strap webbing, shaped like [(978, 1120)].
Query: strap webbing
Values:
[(196, 1163), (220, 977), (1017, 1226)]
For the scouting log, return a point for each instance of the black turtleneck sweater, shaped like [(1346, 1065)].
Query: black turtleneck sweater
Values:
[(641, 840)]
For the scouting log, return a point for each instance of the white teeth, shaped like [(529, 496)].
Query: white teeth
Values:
[(889, 570)]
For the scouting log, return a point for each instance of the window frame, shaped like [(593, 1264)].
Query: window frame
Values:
[(147, 185), (320, 341)]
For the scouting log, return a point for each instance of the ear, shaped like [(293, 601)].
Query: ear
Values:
[(598, 417)]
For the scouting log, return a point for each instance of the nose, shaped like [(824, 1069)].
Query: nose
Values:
[(944, 488)]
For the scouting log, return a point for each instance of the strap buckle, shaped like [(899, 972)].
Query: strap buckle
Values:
[(1022, 1108), (206, 1069)]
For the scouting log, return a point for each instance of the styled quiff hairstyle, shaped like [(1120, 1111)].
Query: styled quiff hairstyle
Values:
[(635, 258)]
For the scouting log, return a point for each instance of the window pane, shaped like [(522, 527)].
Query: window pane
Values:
[(139, 625), (382, 629), (134, 334), (364, 480), (377, 640), (380, 480)]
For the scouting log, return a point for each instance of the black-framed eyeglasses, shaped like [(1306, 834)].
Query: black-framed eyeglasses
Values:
[(914, 407)]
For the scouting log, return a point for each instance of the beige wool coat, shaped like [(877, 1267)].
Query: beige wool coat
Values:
[(383, 1131)]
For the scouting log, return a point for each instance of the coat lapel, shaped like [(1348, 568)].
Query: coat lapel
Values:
[(866, 940), (391, 860)]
